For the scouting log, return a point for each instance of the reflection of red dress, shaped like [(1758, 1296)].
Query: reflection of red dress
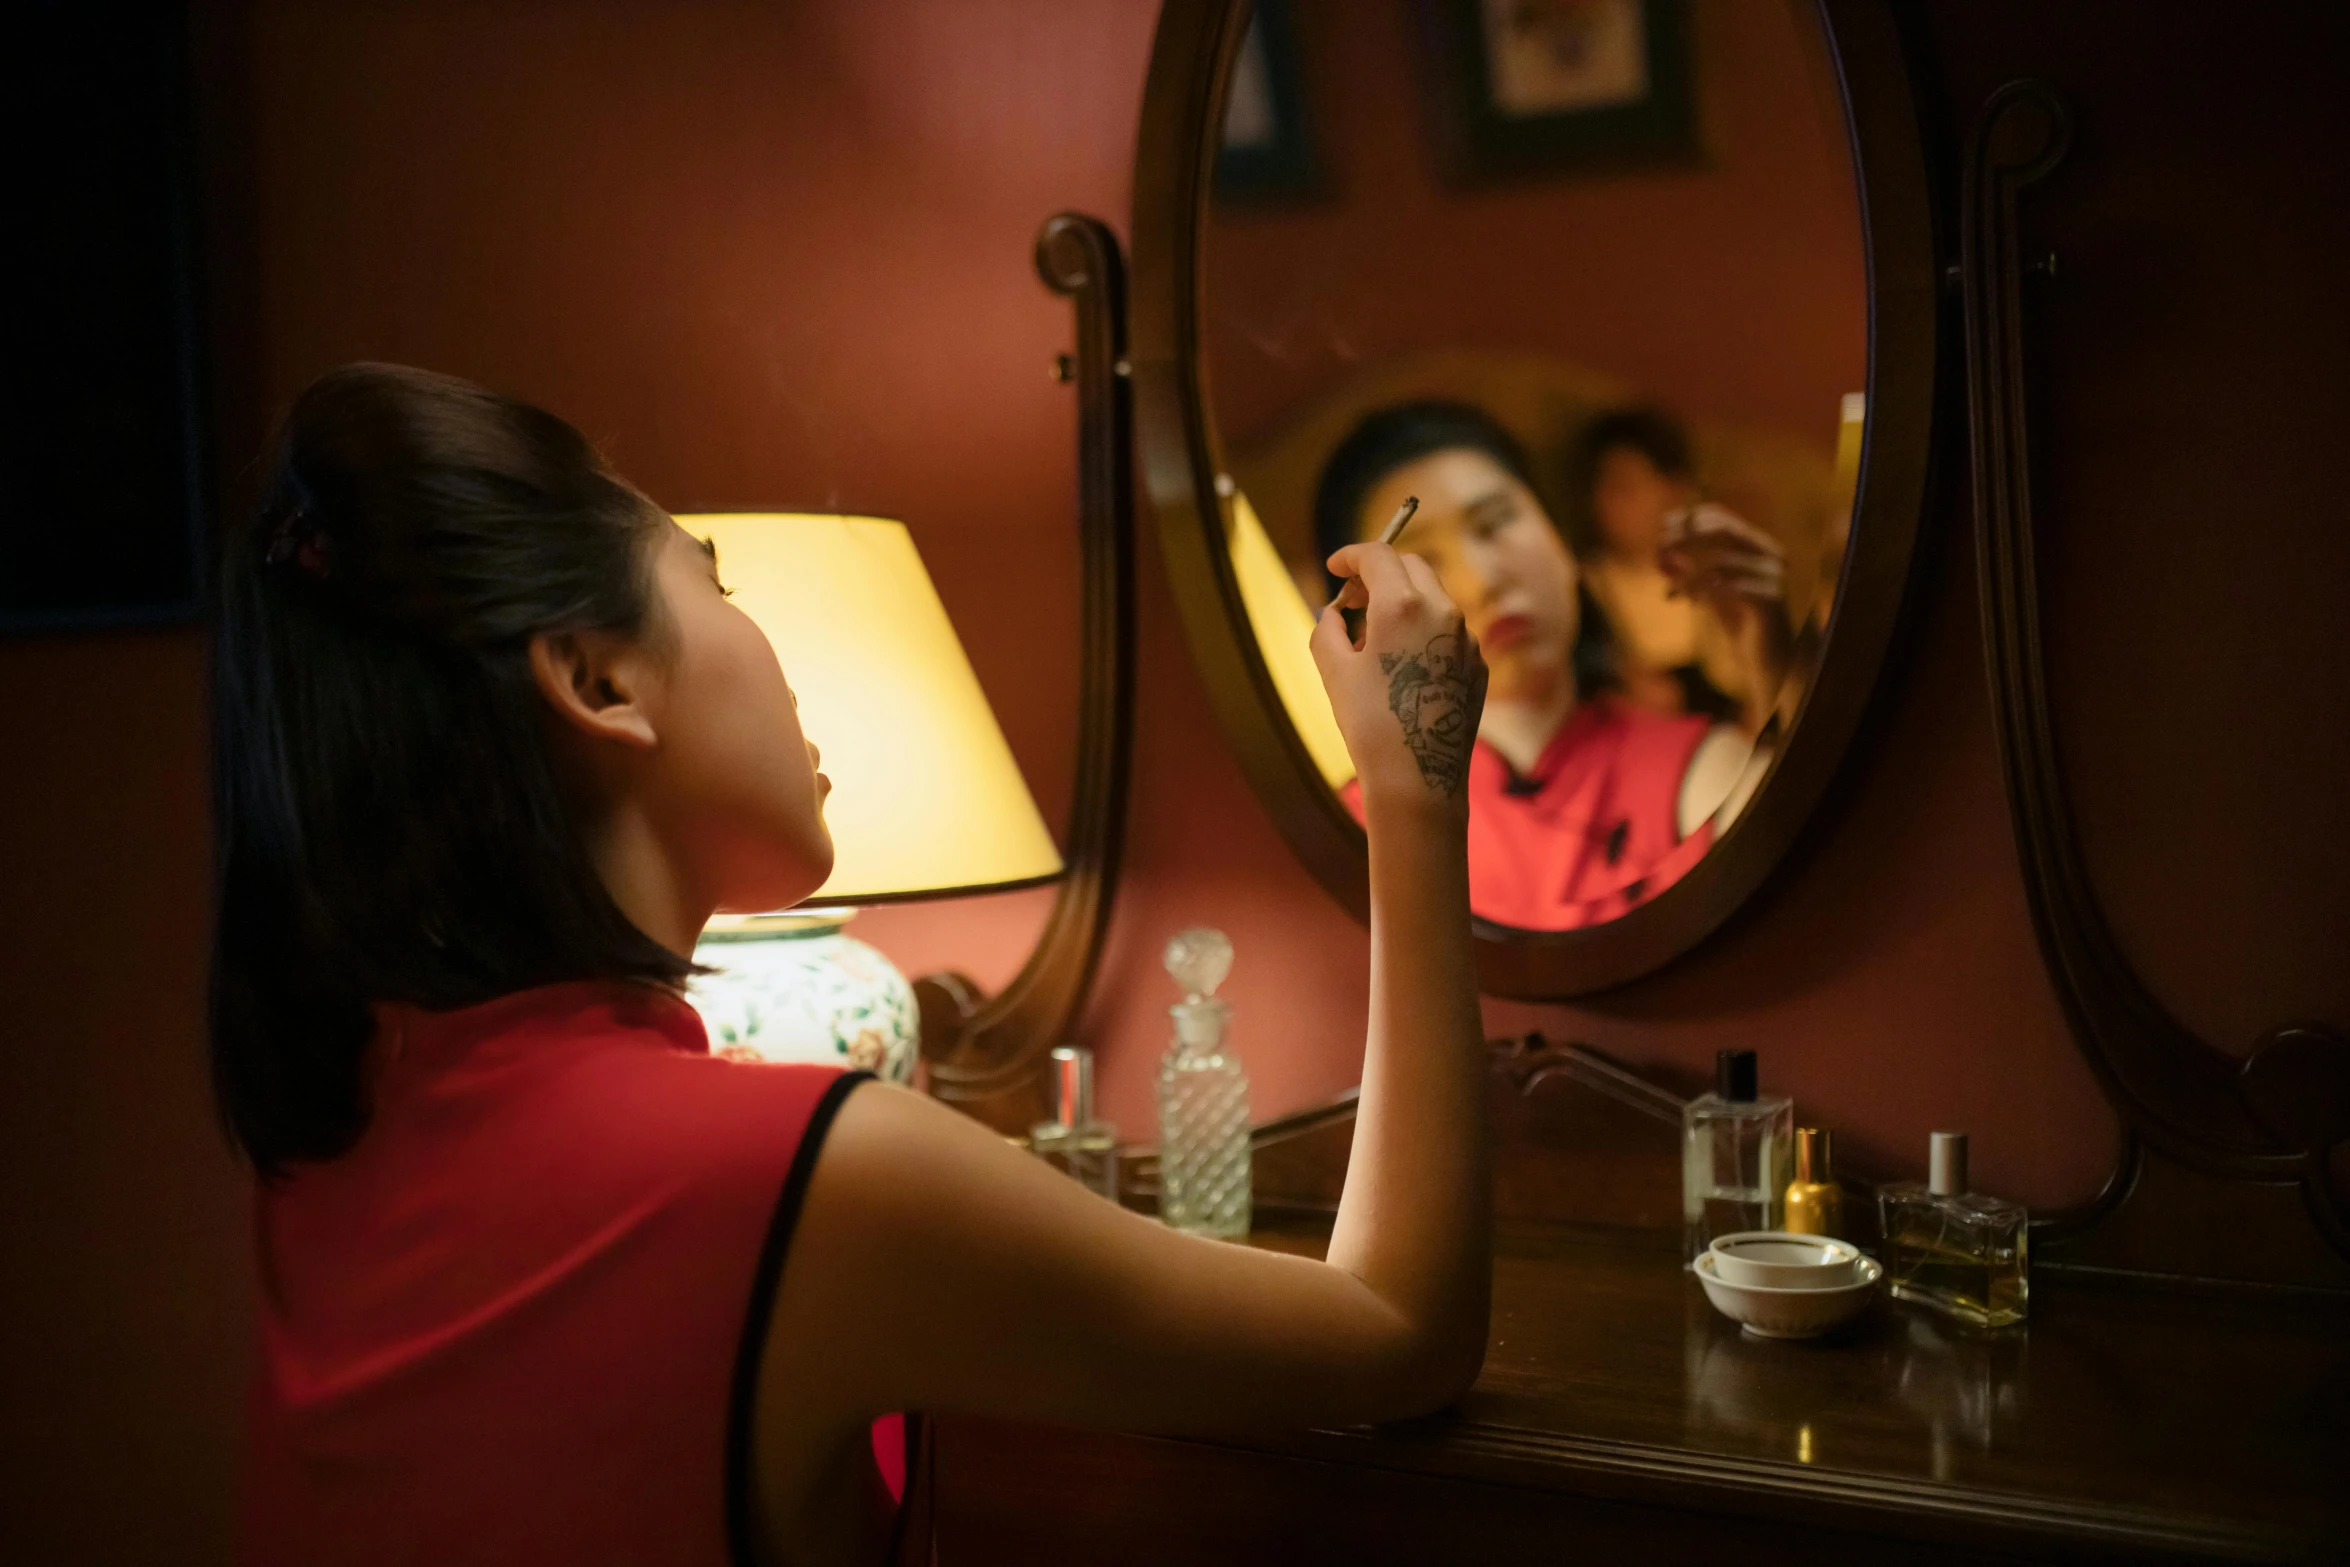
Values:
[(1592, 830)]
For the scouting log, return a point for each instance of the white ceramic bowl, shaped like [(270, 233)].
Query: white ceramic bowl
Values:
[(1786, 1313), (1782, 1260)]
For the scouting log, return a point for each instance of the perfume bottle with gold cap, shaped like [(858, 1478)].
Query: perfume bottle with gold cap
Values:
[(1815, 1203)]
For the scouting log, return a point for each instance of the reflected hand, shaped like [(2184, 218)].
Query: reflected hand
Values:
[(1738, 573), (1408, 696)]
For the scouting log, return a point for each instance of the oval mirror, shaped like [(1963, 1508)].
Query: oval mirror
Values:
[(1636, 299)]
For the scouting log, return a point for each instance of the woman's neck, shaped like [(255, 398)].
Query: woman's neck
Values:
[(642, 876), (1521, 727)]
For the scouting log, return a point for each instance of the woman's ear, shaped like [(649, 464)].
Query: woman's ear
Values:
[(598, 684)]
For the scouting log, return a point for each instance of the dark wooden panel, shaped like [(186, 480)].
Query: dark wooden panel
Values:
[(1024, 1494), (2263, 1120)]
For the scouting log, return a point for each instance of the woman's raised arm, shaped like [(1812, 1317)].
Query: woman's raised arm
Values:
[(935, 1267)]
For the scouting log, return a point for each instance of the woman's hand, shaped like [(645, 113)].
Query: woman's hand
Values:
[(1739, 574), (1409, 695)]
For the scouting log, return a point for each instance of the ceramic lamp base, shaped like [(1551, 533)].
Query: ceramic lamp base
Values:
[(794, 987)]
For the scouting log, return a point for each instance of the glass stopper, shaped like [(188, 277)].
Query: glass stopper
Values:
[(1199, 959)]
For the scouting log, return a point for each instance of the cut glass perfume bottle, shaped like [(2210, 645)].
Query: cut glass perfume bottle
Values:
[(1957, 1252), (1737, 1154), (1203, 1099)]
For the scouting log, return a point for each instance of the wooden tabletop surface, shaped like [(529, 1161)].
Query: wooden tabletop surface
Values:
[(2119, 1413)]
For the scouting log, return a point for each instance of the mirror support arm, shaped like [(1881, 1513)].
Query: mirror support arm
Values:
[(985, 1054)]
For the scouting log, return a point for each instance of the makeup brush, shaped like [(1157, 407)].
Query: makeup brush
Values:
[(1389, 534)]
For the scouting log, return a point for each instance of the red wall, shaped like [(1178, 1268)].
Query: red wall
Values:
[(741, 247), (1733, 289), (778, 255)]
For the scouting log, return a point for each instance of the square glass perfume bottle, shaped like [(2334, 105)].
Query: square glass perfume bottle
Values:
[(1073, 1142), (1737, 1155), (1955, 1251)]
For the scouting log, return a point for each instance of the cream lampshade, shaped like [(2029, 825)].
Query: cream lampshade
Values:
[(926, 799)]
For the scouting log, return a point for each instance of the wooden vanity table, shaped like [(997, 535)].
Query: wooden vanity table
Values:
[(2181, 1391), (1618, 1413)]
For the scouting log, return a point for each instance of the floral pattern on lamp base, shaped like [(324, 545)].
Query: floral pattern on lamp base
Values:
[(794, 988)]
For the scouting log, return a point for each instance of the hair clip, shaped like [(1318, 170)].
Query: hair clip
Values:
[(296, 540)]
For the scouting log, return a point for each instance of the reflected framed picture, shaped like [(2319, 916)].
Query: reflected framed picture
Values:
[(1527, 89), (1267, 150)]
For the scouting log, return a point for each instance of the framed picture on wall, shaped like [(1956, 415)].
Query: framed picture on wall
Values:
[(1533, 88), (1267, 151)]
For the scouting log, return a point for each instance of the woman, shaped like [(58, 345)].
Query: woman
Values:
[(1582, 804), (1677, 652), (542, 1280)]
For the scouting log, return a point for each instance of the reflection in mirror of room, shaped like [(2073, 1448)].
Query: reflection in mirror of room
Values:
[(1662, 353), (1730, 288)]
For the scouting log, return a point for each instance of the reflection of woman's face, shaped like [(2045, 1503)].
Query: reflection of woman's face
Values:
[(1498, 556), (1630, 500)]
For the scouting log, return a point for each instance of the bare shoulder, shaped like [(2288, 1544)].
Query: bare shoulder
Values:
[(921, 1234), (893, 1152)]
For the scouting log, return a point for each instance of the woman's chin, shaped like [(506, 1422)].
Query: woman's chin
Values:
[(1526, 675), (782, 886)]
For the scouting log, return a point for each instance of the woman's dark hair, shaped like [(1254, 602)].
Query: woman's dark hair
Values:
[(1653, 433), (391, 823), (1393, 437)]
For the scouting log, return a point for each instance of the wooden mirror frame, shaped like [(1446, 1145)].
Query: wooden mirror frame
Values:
[(1181, 456)]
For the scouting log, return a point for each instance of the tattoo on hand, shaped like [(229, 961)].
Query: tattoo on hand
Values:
[(1436, 695)]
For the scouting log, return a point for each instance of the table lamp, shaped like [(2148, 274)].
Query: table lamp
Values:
[(926, 799)]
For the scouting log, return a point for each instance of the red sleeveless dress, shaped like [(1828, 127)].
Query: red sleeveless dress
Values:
[(1591, 830), (520, 1321)]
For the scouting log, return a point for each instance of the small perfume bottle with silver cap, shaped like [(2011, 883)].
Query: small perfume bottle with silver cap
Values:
[(1204, 1182), (1073, 1142), (1737, 1154), (1955, 1251)]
